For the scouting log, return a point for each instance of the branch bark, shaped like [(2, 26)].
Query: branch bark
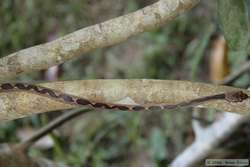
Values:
[(19, 104), (208, 138), (97, 36)]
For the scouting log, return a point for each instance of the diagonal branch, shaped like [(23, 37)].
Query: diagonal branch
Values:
[(97, 36), (143, 92), (207, 139), (236, 74), (24, 146)]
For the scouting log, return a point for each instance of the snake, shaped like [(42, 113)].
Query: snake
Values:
[(232, 97)]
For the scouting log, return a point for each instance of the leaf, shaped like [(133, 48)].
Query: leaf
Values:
[(158, 144), (199, 50), (234, 20), (219, 64)]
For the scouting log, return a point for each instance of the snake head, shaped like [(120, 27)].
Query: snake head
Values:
[(236, 96)]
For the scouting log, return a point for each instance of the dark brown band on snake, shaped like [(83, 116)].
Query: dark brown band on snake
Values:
[(235, 96)]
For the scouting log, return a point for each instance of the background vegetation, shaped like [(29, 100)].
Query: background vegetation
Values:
[(179, 50)]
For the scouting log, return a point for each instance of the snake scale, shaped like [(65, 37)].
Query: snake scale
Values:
[(234, 96)]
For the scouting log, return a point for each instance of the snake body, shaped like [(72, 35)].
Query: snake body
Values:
[(236, 96)]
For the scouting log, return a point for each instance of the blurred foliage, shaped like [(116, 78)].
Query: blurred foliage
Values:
[(29, 22), (176, 51), (234, 21)]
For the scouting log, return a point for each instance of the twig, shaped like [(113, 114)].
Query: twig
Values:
[(50, 127), (236, 74)]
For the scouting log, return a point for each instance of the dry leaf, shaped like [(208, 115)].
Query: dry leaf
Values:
[(219, 66)]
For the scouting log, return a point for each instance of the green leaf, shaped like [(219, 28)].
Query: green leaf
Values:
[(198, 52), (234, 20), (158, 144)]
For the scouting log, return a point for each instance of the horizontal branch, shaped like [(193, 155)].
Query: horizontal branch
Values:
[(97, 36), (19, 104)]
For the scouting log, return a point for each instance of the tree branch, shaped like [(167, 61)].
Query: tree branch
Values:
[(228, 124), (97, 36), (19, 104), (24, 146)]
